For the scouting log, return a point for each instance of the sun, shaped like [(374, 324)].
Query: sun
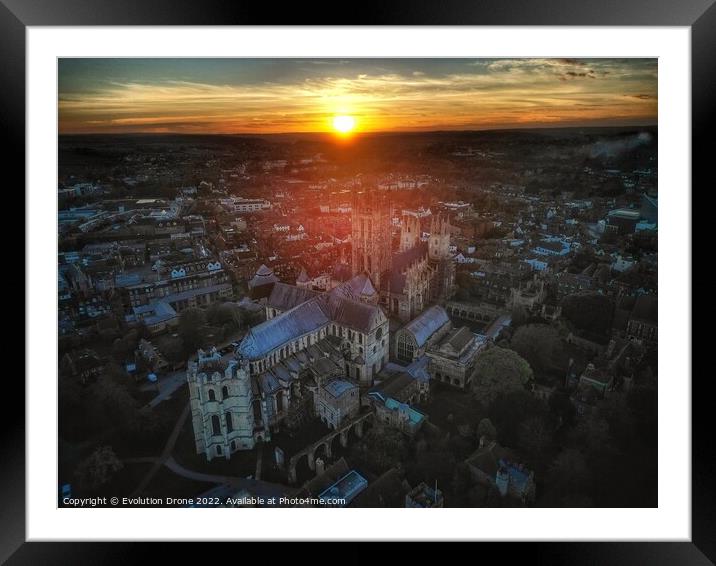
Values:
[(344, 124)]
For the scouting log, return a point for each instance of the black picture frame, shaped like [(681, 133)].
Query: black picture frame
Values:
[(699, 15)]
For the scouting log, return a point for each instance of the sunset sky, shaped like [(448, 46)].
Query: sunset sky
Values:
[(304, 95)]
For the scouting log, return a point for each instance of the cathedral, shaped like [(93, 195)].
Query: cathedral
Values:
[(418, 274), (310, 344), (316, 347)]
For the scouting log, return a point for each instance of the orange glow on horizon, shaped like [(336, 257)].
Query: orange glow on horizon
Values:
[(328, 98), (344, 124)]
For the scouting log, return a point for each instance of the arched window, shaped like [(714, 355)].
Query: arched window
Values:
[(218, 450), (215, 425), (406, 347), (212, 395), (379, 333), (229, 422), (224, 392)]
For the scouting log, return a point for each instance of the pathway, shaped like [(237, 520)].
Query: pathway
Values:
[(254, 486), (167, 384), (166, 453)]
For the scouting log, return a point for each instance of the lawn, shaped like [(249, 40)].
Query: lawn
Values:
[(241, 464)]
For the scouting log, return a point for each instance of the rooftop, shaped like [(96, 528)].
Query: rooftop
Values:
[(429, 322), (263, 276), (338, 387), (347, 487)]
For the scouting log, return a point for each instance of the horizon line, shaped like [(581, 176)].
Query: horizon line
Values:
[(357, 134)]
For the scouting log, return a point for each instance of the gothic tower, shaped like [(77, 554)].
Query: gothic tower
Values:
[(439, 242), (409, 232), (440, 259), (220, 397), (371, 234)]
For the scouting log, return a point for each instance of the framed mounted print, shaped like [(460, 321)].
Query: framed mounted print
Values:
[(401, 271)]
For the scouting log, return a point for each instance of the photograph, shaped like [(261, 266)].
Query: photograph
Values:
[(357, 282)]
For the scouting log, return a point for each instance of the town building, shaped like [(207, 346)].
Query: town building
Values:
[(422, 496), (397, 415), (345, 490), (453, 357), (643, 323), (498, 468), (623, 220)]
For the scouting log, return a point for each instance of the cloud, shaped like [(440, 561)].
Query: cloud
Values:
[(502, 91)]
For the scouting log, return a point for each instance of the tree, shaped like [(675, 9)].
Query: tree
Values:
[(537, 343), (71, 420), (173, 350), (462, 479), (433, 466), (509, 410), (562, 408), (535, 436), (589, 311), (123, 348), (191, 324), (519, 316), (568, 480), (98, 469), (220, 313), (499, 370), (381, 448), (486, 429), (113, 399)]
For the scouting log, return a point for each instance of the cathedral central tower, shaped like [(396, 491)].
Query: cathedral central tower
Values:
[(371, 234)]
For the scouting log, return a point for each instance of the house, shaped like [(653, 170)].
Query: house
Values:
[(553, 248), (498, 468), (400, 386), (84, 365), (157, 317), (598, 378), (643, 323), (397, 415), (388, 490), (152, 356)]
